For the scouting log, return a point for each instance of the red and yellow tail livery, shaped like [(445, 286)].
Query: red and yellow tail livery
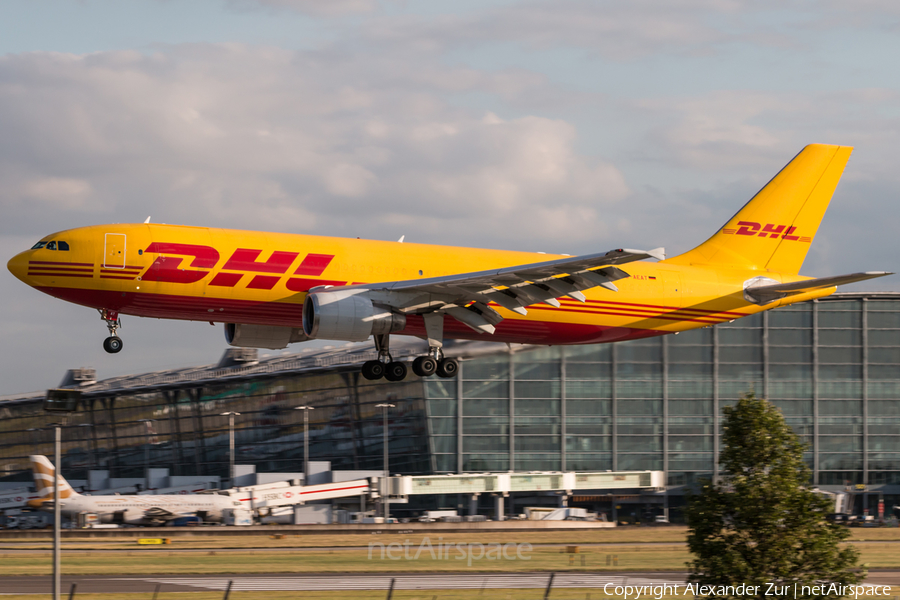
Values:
[(272, 289)]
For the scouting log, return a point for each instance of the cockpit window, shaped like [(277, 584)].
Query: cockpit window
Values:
[(39, 245), (63, 245), (51, 246)]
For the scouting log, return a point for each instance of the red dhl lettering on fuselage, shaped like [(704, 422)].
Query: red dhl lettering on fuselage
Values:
[(243, 262), (769, 230)]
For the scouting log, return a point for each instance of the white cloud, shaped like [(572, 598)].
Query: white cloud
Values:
[(232, 135), (66, 193)]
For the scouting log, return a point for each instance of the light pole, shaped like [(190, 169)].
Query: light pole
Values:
[(61, 401), (231, 415), (385, 499), (57, 462), (147, 453), (57, 514), (305, 410)]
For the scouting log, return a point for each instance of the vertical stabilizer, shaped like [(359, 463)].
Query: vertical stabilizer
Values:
[(43, 470), (774, 230)]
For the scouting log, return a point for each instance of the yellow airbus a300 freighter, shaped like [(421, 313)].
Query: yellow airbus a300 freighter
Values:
[(272, 289)]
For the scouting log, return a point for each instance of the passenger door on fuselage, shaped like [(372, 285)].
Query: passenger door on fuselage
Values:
[(114, 248)]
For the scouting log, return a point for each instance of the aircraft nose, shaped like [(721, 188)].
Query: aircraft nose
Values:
[(18, 265)]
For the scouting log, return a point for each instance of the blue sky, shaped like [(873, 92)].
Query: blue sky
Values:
[(568, 126)]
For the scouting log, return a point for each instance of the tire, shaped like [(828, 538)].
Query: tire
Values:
[(448, 367), (112, 344), (395, 371), (424, 366), (373, 370)]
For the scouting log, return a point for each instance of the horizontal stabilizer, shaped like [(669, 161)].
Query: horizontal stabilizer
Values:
[(760, 292)]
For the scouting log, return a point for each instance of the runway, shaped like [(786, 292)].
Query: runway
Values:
[(349, 582), (283, 582), (14, 549)]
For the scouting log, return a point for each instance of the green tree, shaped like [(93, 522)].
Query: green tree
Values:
[(761, 523)]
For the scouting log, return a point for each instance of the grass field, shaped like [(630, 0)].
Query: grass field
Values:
[(142, 562), (152, 561), (628, 535)]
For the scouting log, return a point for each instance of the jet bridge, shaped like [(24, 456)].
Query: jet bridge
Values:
[(280, 494), (504, 483), (501, 485)]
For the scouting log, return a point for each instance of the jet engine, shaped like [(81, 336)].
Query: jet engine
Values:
[(347, 315), (262, 336)]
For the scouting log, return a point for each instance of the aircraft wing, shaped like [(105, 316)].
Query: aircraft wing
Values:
[(466, 296), (765, 293)]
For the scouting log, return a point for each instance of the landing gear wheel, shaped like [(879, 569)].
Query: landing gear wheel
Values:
[(112, 344), (424, 366), (395, 371), (448, 367), (373, 370)]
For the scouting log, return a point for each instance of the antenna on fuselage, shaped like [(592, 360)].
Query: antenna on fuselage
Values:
[(147, 220)]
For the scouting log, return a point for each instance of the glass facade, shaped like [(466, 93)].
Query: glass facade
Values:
[(183, 429), (832, 366)]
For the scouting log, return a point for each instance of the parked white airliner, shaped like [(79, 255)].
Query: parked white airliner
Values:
[(133, 510)]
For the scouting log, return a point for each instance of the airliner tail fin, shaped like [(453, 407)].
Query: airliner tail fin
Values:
[(774, 230), (43, 471)]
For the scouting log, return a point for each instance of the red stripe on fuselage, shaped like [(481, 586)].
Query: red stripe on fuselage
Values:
[(286, 314), (58, 274), (672, 308), (67, 264), (667, 317), (634, 312)]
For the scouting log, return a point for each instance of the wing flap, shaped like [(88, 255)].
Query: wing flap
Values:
[(466, 296)]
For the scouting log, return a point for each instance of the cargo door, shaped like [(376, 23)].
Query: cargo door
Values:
[(114, 251)]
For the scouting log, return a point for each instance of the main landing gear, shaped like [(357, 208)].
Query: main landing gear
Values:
[(113, 343), (435, 363), (423, 366)]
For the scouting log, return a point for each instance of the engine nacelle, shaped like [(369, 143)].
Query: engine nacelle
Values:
[(347, 315), (262, 336)]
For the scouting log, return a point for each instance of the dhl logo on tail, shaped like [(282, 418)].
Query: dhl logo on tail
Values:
[(768, 230)]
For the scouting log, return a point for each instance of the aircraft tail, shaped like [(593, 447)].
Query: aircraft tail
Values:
[(43, 470), (774, 230)]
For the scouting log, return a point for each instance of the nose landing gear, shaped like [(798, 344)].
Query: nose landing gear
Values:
[(113, 343)]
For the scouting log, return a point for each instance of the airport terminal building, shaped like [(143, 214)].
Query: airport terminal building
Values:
[(831, 365)]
